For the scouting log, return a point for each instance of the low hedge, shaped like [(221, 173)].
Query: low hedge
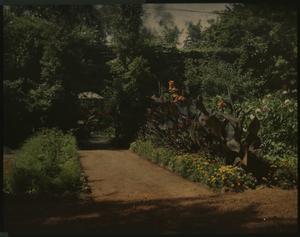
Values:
[(46, 163), (197, 167), (283, 171)]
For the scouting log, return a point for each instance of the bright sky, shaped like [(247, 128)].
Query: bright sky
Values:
[(181, 14)]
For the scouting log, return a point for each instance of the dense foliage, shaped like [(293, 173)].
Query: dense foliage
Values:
[(211, 78), (127, 93), (45, 65), (267, 38), (236, 81), (278, 115), (46, 163)]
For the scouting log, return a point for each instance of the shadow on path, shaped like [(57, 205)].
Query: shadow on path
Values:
[(177, 215), (99, 143), (85, 216)]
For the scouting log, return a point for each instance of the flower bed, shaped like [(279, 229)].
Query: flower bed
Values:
[(197, 167)]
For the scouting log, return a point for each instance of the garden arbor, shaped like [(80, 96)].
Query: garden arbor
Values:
[(91, 112)]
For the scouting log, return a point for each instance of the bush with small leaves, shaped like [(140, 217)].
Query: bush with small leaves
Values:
[(283, 171), (46, 163), (277, 114), (232, 177)]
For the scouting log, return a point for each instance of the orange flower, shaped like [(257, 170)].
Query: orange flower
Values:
[(221, 104), (178, 98), (171, 84), (172, 89), (182, 98)]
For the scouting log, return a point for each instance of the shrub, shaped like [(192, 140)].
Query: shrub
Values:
[(283, 171), (233, 177), (278, 117), (148, 150), (47, 163), (7, 184), (213, 77), (196, 167), (109, 132)]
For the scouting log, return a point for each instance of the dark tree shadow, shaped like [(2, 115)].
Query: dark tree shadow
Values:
[(178, 215), (101, 144)]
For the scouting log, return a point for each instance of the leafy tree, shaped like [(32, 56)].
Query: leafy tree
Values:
[(29, 85), (170, 36), (193, 38), (124, 26), (216, 78), (166, 35), (267, 38), (169, 33), (67, 15), (131, 76), (128, 91), (46, 63)]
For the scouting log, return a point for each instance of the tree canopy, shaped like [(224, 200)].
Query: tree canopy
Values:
[(52, 53)]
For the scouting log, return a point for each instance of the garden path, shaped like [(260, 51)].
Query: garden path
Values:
[(123, 175), (176, 204), (132, 195)]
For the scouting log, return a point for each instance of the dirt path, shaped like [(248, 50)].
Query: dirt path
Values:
[(122, 175), (133, 195)]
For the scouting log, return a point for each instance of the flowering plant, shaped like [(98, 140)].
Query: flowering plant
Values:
[(277, 114), (185, 124)]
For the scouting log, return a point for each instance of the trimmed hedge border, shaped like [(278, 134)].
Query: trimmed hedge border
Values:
[(212, 172), (197, 167)]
